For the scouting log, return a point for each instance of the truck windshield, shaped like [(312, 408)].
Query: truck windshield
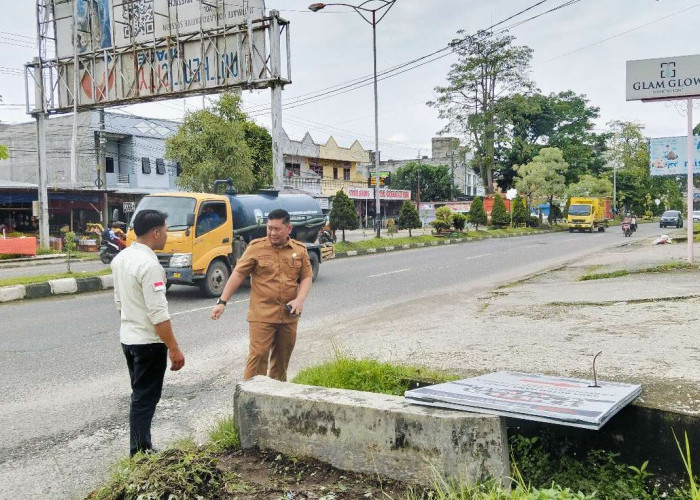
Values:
[(176, 207), (580, 210)]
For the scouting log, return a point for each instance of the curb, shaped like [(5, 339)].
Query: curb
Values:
[(355, 253), (63, 286)]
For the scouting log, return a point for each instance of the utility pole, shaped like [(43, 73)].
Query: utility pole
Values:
[(42, 17), (418, 188), (276, 103), (101, 181), (452, 167)]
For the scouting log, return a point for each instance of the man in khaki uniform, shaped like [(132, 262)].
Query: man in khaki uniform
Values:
[(280, 281)]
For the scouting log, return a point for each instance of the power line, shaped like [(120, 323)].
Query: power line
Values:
[(412, 64)]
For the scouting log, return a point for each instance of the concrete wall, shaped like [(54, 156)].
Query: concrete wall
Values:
[(370, 433)]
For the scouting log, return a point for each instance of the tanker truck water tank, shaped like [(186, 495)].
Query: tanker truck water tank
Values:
[(250, 214)]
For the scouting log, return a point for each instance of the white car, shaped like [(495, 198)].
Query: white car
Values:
[(696, 216)]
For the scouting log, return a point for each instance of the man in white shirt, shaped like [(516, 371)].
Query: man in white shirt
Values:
[(146, 333)]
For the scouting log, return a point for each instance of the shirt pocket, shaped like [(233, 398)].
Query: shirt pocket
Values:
[(292, 269), (266, 265)]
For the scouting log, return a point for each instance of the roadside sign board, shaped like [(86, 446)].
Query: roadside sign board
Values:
[(129, 207), (668, 156), (663, 78), (559, 400)]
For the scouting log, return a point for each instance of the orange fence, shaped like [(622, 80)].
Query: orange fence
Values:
[(20, 246)]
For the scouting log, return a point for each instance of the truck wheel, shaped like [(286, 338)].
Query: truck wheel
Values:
[(571, 229), (313, 258), (601, 229), (214, 282)]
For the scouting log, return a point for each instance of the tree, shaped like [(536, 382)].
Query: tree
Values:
[(628, 153), (488, 65), (435, 180), (220, 144), (499, 213), (343, 214), (4, 155), (69, 248), (528, 122), (409, 218), (477, 214), (589, 185), (543, 178), (520, 213)]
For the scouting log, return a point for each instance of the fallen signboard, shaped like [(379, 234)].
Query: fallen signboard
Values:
[(557, 400)]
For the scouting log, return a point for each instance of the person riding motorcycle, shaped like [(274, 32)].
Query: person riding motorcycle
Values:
[(115, 235)]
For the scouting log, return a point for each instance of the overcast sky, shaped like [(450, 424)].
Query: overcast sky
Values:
[(582, 47)]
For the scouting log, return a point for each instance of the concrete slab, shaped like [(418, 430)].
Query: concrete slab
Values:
[(371, 433)]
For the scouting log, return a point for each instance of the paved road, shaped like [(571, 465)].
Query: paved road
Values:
[(53, 267), (65, 386)]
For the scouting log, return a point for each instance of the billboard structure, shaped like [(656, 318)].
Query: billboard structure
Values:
[(130, 51), (670, 78)]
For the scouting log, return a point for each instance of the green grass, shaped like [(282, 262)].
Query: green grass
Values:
[(184, 470), (40, 278), (663, 268), (224, 437), (344, 246), (367, 375)]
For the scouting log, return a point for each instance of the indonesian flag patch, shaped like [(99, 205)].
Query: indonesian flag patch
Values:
[(158, 286)]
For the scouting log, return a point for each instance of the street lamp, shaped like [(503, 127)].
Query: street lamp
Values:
[(364, 10)]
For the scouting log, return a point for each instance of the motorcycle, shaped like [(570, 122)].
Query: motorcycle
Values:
[(326, 236), (108, 251), (627, 229)]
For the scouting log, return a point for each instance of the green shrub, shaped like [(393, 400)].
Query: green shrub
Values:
[(440, 225), (520, 214), (459, 221), (533, 221), (499, 213), (409, 217), (391, 227), (477, 214)]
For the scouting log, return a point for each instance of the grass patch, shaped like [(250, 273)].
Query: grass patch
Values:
[(663, 268), (41, 278), (367, 375), (184, 470), (224, 437), (344, 246)]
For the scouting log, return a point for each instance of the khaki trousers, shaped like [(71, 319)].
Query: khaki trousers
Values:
[(273, 341)]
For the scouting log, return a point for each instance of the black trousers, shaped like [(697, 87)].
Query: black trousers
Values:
[(146, 363)]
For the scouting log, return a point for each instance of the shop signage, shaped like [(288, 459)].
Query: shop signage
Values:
[(668, 155), (384, 194), (664, 78)]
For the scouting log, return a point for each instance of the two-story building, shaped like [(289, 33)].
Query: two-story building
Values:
[(321, 170), (134, 163), (445, 151)]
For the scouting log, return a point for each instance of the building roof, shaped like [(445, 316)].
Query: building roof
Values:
[(6, 184)]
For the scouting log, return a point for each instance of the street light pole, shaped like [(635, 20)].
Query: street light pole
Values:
[(361, 9)]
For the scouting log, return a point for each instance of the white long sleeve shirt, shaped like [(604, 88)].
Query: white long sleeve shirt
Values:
[(139, 294)]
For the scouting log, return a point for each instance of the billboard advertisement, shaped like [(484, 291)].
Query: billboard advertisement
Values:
[(668, 156), (136, 50), (664, 78), (118, 24)]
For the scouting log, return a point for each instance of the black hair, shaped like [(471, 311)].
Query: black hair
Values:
[(148, 219), (279, 213)]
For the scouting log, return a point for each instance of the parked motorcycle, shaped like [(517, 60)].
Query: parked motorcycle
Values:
[(327, 236), (108, 251)]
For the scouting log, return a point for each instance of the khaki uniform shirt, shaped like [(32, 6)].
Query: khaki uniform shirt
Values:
[(139, 294), (275, 275)]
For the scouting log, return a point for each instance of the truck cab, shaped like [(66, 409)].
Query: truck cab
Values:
[(587, 214), (200, 233)]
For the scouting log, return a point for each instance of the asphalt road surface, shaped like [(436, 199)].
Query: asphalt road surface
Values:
[(65, 385)]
